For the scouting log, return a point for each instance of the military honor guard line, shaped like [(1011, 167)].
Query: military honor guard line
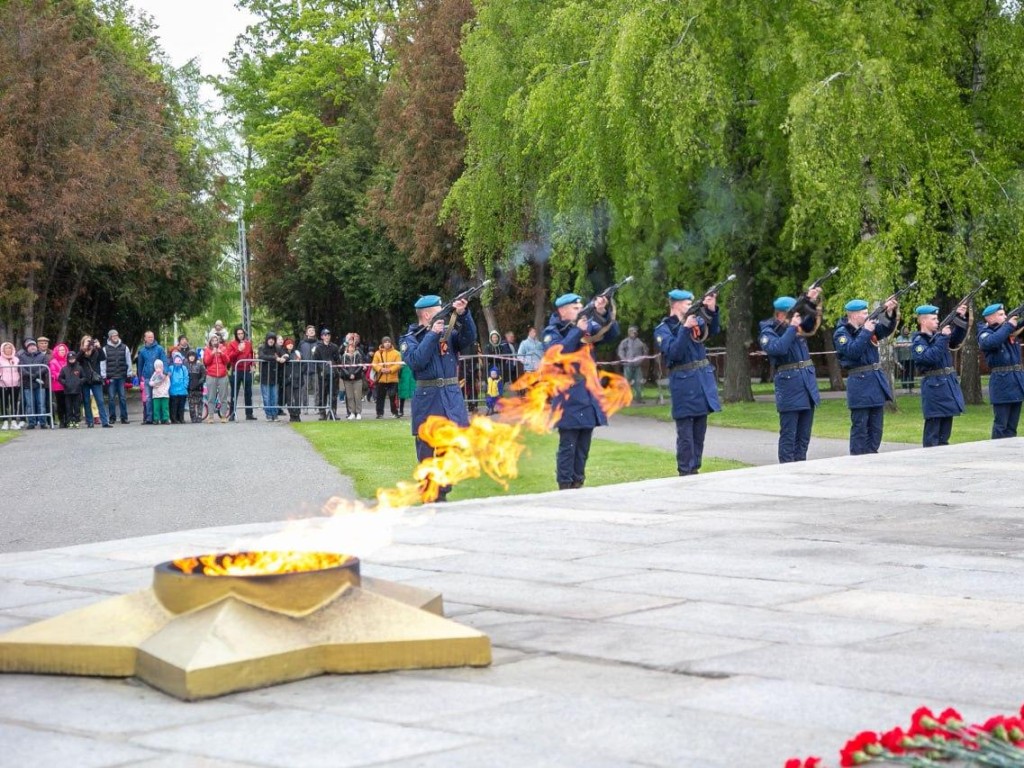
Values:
[(444, 331)]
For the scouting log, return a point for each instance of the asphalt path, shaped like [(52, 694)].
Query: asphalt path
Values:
[(751, 446), (64, 487)]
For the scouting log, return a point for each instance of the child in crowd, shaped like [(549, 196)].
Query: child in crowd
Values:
[(179, 388), (160, 386), (72, 379), (196, 383), (57, 363), (494, 388)]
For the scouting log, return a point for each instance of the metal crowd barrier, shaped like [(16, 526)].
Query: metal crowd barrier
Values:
[(26, 396), (314, 390)]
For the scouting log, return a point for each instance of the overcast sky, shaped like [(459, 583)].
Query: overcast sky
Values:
[(201, 29)]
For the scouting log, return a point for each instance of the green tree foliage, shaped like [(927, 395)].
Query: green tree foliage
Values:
[(104, 193)]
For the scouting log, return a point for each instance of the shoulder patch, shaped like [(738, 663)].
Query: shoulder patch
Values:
[(764, 340), (986, 333), (405, 346), (547, 338), (658, 339), (919, 348), (842, 339)]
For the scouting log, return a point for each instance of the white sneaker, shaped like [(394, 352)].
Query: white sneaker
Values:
[(21, 425), (350, 417), (3, 427), (359, 417), (15, 425)]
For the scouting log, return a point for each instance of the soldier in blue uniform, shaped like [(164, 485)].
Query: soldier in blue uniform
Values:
[(691, 378), (581, 411), (941, 397), (434, 362), (796, 387), (1006, 383), (867, 386)]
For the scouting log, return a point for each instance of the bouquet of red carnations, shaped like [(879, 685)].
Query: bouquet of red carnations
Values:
[(941, 741)]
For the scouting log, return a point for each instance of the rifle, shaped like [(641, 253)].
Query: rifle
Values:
[(803, 301), (591, 308), (446, 310), (698, 305), (880, 309), (948, 319)]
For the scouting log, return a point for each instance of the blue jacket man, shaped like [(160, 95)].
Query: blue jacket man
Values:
[(148, 354), (691, 379), (581, 411), (433, 358), (941, 397), (867, 386), (997, 340), (796, 387)]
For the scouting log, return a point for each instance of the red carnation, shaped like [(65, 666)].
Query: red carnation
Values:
[(859, 749), (894, 741)]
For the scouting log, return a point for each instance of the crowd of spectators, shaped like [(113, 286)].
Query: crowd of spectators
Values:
[(86, 384)]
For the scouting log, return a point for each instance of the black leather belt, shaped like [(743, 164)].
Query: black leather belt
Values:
[(938, 372), (1007, 368), (689, 366), (794, 366), (865, 368), (426, 383)]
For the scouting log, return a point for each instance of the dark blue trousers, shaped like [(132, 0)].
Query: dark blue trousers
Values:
[(1006, 417), (424, 451), (690, 443), (795, 434), (866, 429), (937, 431), (573, 450)]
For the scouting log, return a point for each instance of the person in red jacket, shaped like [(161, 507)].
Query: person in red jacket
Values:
[(217, 362), (242, 354)]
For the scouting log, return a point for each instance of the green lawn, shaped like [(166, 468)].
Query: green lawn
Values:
[(832, 419), (377, 454), (7, 435)]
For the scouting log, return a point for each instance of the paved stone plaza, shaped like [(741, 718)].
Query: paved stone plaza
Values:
[(732, 619)]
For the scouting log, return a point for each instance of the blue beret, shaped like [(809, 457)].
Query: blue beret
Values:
[(678, 295), (927, 309), (991, 309), (567, 298), (424, 302), (784, 303), (855, 305)]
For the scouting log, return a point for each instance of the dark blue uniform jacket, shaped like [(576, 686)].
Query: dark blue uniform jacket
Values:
[(1002, 349), (694, 391), (795, 389), (856, 348), (580, 409), (429, 358), (940, 394)]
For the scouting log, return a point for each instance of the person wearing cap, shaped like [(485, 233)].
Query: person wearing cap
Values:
[(632, 350), (691, 379), (118, 371), (35, 374), (941, 396), (196, 382), (44, 347), (867, 386), (328, 357), (580, 410), (431, 349), (796, 386), (997, 339)]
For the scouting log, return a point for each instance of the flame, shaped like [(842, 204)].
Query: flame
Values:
[(260, 563), (493, 447)]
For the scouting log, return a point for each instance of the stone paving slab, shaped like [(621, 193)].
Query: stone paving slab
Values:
[(731, 619)]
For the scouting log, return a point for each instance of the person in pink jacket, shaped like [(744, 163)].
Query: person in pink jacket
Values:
[(57, 362), (10, 386)]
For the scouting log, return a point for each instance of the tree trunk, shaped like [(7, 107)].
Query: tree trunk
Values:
[(65, 319), (490, 319), (835, 373), (737, 342), (540, 295), (29, 316), (970, 370)]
